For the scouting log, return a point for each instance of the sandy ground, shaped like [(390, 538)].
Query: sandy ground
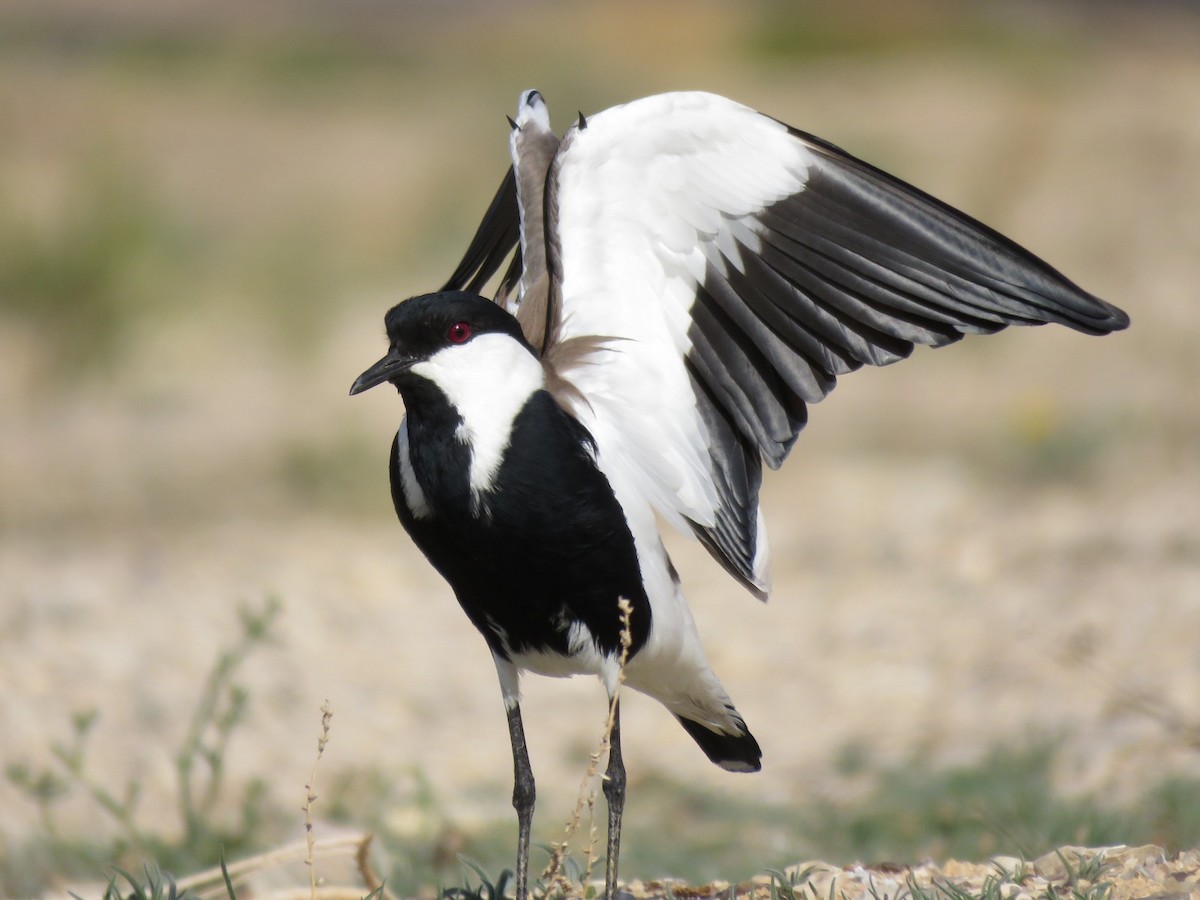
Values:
[(983, 543)]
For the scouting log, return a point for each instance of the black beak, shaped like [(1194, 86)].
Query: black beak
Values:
[(385, 370)]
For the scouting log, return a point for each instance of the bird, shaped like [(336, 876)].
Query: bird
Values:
[(685, 276)]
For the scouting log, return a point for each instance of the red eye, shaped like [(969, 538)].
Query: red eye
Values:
[(459, 333)]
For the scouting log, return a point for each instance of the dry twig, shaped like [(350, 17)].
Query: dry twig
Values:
[(553, 874)]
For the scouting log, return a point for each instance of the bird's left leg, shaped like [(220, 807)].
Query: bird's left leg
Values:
[(614, 793), (523, 797)]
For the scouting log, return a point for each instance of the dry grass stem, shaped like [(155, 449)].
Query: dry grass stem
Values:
[(362, 858), (553, 874), (210, 884), (333, 892), (1143, 699)]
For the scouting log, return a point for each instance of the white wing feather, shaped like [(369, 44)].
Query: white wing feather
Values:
[(647, 195)]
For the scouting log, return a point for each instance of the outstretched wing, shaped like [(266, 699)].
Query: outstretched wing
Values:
[(724, 269)]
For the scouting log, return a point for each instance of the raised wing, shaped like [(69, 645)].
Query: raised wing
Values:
[(494, 240), (733, 268), (515, 219)]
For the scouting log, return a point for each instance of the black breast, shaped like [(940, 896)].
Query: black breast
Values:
[(547, 547)]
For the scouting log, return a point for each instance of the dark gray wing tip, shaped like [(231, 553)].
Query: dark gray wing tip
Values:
[(1115, 319), (497, 235)]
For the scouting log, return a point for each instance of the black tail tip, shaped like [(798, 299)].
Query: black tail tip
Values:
[(732, 752)]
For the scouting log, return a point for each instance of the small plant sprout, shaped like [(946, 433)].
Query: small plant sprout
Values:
[(310, 797)]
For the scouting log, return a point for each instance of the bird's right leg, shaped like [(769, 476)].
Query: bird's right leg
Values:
[(523, 796), (523, 787)]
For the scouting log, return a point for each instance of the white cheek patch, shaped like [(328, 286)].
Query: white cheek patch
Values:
[(410, 488), (488, 381)]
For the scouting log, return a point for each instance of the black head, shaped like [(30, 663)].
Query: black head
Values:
[(422, 326)]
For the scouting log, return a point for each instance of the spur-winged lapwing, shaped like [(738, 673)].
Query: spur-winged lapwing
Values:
[(689, 275)]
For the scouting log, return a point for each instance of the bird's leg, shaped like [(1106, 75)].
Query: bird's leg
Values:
[(523, 797), (614, 792)]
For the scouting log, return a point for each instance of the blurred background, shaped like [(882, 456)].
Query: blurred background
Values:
[(985, 630)]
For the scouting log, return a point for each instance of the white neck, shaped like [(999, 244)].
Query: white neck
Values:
[(488, 381)]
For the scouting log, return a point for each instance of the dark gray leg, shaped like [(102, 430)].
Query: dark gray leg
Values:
[(523, 797), (614, 792)]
